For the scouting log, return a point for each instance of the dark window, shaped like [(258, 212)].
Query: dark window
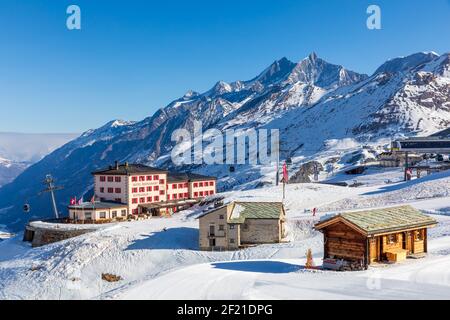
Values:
[(118, 179), (221, 217), (118, 190), (102, 179), (110, 179)]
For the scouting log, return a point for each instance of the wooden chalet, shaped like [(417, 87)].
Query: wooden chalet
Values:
[(354, 240)]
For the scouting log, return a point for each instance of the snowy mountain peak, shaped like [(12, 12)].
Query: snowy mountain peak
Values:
[(276, 72), (316, 71), (404, 64), (191, 94)]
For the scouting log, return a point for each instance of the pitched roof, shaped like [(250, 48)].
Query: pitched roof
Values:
[(385, 220), (255, 210), (128, 169), (182, 176)]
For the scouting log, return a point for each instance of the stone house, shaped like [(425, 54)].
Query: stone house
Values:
[(238, 224)]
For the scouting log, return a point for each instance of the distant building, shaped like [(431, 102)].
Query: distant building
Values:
[(354, 240), (241, 223), (145, 190), (397, 159)]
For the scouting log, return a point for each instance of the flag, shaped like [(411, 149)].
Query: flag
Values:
[(285, 173), (73, 201), (93, 199), (80, 202)]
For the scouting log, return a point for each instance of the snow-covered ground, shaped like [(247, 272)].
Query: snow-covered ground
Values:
[(159, 258)]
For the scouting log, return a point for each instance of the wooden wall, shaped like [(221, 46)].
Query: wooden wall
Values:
[(343, 242)]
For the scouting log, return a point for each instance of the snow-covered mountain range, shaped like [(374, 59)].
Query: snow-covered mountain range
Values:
[(20, 150), (324, 112)]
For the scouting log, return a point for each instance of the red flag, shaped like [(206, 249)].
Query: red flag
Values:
[(285, 173), (73, 201)]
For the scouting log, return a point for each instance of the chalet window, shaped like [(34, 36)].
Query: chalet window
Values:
[(117, 179), (211, 183), (142, 200), (114, 214), (149, 199), (134, 190), (103, 215), (221, 217), (161, 192), (149, 178), (392, 238), (180, 196), (102, 190), (200, 184), (186, 195), (174, 196), (141, 178), (155, 177), (418, 235), (134, 179), (221, 227), (110, 179), (134, 200), (110, 190), (124, 213), (102, 179), (186, 185), (156, 198), (180, 185), (118, 190), (231, 240), (201, 193), (195, 194), (141, 189)]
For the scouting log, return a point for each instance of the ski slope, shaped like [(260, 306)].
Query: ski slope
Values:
[(159, 258)]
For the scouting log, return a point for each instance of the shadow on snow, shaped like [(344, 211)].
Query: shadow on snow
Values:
[(173, 238), (258, 266)]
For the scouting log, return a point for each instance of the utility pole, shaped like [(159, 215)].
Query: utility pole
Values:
[(51, 188)]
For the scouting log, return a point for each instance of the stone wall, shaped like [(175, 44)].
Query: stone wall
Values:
[(39, 236), (255, 231)]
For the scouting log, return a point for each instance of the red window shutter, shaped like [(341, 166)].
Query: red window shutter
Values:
[(134, 200), (155, 177), (161, 192), (186, 195), (149, 178), (156, 198), (149, 199), (162, 181)]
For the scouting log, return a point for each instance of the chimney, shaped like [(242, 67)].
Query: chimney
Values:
[(117, 165)]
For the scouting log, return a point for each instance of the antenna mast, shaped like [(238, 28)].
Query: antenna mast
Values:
[(49, 181)]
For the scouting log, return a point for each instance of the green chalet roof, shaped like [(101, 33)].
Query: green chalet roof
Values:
[(255, 210), (385, 220)]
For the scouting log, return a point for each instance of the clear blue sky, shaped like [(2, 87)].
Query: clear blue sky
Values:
[(133, 57)]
